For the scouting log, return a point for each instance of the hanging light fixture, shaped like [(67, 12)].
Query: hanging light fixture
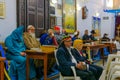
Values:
[(78, 7), (54, 1), (109, 4)]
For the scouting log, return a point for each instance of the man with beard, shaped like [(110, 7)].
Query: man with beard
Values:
[(30, 39), (32, 43)]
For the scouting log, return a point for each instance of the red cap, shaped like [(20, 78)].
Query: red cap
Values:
[(56, 28)]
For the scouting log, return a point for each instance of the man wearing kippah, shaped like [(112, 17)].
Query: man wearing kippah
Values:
[(66, 59)]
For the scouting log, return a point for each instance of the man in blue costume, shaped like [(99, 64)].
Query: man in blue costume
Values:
[(16, 53), (48, 38)]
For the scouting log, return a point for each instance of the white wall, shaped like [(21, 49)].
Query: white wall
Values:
[(8, 24), (93, 6)]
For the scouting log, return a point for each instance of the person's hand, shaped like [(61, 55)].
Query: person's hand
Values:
[(81, 65), (51, 35), (84, 54), (23, 54)]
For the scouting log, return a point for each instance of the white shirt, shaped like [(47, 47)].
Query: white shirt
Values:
[(73, 59)]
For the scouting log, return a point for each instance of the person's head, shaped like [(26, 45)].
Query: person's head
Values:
[(86, 32), (93, 32), (64, 32), (105, 35), (50, 32), (78, 44), (57, 29), (31, 30), (18, 33), (67, 41)]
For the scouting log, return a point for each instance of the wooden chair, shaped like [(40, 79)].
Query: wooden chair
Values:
[(2, 68)]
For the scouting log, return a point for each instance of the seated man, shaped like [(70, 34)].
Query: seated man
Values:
[(66, 58), (16, 53), (92, 36), (85, 37), (105, 37), (58, 36), (48, 38), (78, 44), (30, 39), (32, 43)]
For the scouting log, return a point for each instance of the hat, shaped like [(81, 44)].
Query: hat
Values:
[(56, 28), (105, 34), (76, 42), (93, 32), (30, 27), (65, 37)]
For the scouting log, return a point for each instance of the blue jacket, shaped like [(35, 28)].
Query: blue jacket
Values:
[(46, 40), (64, 60)]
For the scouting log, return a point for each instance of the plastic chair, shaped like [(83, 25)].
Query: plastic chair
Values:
[(114, 66), (110, 65), (75, 77)]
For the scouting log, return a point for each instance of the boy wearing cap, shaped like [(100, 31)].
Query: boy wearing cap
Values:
[(78, 45), (105, 37), (66, 58), (92, 36), (58, 36)]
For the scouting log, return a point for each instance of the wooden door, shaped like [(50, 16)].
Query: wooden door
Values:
[(21, 12), (40, 17), (31, 12)]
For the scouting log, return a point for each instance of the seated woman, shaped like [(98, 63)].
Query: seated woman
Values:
[(78, 44), (67, 58)]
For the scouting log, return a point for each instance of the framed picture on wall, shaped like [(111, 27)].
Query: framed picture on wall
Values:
[(69, 15), (84, 12), (2, 9), (52, 21)]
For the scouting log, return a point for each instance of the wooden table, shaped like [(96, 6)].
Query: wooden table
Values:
[(99, 46), (42, 55), (111, 46), (2, 68)]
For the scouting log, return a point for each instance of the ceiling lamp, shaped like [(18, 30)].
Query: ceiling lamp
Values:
[(54, 1)]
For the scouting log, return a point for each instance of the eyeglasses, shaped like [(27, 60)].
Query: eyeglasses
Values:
[(68, 41), (65, 37)]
